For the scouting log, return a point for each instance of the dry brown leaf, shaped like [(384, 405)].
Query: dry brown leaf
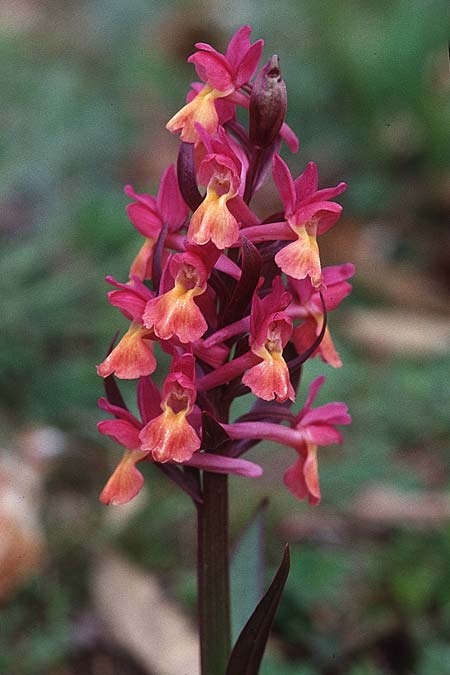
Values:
[(142, 619)]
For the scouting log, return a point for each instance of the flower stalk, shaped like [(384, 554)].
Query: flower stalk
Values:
[(213, 575)]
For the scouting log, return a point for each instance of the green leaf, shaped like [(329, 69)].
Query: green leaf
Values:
[(247, 570), (248, 651)]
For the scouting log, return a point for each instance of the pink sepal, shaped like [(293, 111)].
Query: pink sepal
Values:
[(119, 412), (238, 45), (325, 214), (146, 200), (314, 389), (307, 183), (331, 193), (148, 398), (224, 264), (331, 413), (290, 137), (131, 304), (284, 183), (212, 68), (248, 64), (334, 274), (242, 56), (145, 221), (337, 287), (171, 205), (122, 432), (223, 464), (131, 298), (323, 434)]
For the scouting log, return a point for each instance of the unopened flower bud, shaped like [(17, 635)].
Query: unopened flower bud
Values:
[(268, 103)]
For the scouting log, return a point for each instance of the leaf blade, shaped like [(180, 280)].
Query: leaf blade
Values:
[(248, 651), (247, 569)]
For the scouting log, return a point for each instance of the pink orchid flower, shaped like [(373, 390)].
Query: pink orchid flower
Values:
[(221, 171), (133, 356), (125, 429), (185, 277), (309, 213), (148, 214), (312, 427), (307, 305), (223, 75), (270, 331)]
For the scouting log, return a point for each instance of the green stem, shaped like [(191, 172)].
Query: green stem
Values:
[(213, 575)]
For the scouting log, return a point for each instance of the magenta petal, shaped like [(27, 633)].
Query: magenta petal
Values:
[(331, 413), (331, 193), (146, 200), (221, 464), (285, 185), (213, 69), (326, 214), (290, 137), (336, 273), (131, 303), (122, 432), (149, 399), (238, 45), (249, 64), (323, 434), (306, 184), (145, 221), (171, 205), (313, 391), (119, 412)]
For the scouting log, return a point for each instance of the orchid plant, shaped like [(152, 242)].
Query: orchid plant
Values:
[(238, 302)]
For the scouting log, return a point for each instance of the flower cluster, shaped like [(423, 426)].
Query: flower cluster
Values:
[(237, 301)]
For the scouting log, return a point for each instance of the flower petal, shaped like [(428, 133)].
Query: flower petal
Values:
[(126, 482), (175, 313), (132, 357), (170, 437), (122, 432)]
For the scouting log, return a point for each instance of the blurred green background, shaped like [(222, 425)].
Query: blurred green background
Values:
[(86, 90)]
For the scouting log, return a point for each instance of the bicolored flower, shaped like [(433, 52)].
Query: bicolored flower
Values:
[(170, 437), (307, 305), (220, 170), (315, 427), (133, 356), (175, 312), (270, 331), (311, 428), (127, 481), (309, 213), (223, 75), (148, 214)]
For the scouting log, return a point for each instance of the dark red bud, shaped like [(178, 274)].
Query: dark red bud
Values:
[(268, 103)]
